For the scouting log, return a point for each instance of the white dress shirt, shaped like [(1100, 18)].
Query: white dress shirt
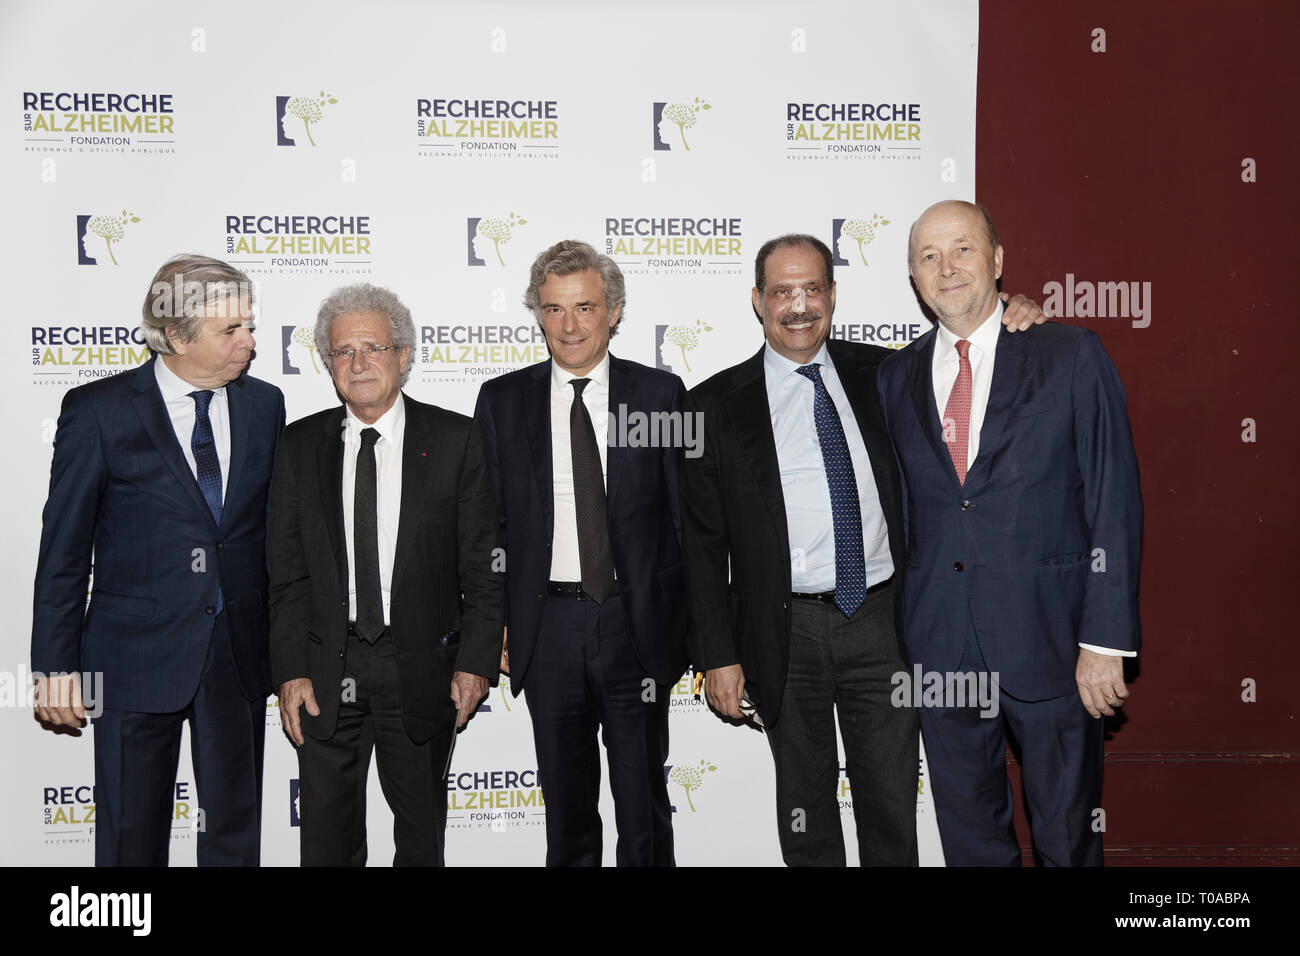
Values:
[(982, 352), (180, 409), (388, 486), (565, 563), (804, 487)]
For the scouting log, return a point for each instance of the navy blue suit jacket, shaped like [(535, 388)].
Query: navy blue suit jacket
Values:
[(121, 489), (1039, 550), (644, 520)]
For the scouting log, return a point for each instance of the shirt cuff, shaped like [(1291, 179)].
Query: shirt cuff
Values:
[(1108, 651)]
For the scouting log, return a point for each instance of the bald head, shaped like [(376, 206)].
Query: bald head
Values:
[(990, 230), (955, 259)]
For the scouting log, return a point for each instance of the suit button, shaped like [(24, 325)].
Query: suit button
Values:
[(539, 595), (957, 565), (220, 545), (785, 606), (965, 504), (548, 546), (210, 609)]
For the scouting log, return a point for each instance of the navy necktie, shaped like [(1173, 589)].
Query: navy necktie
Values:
[(846, 512), (204, 447), (206, 463)]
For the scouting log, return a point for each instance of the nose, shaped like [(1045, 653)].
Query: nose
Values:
[(570, 322), (247, 334), (359, 360), (800, 300)]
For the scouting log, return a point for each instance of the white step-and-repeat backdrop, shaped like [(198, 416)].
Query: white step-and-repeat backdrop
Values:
[(436, 149)]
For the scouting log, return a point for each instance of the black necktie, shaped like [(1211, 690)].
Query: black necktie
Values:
[(589, 501), (365, 546)]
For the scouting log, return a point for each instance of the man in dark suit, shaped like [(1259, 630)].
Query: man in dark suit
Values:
[(1024, 520), (797, 492), (386, 614), (793, 534), (589, 518), (161, 474)]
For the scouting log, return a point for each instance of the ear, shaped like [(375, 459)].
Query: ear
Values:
[(832, 298), (997, 263), (756, 299), (404, 361), (616, 317), (174, 340)]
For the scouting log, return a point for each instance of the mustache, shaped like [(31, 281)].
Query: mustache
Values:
[(799, 318)]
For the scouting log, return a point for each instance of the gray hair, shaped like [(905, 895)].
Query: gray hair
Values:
[(181, 293), (564, 259), (364, 297)]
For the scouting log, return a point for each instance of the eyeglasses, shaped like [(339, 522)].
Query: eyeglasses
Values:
[(370, 352)]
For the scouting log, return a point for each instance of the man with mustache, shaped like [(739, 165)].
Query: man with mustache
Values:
[(792, 531)]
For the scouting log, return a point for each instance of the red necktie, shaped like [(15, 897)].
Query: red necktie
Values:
[(956, 416)]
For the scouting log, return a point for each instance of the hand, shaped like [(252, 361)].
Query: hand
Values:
[(58, 701), (466, 691), (505, 651), (1021, 313), (1101, 682), (295, 693), (724, 687)]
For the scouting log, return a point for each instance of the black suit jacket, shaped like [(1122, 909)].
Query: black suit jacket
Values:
[(644, 519), (120, 488), (734, 512), (446, 600)]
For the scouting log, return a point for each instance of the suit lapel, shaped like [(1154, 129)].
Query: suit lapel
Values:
[(922, 385), (1009, 368), (329, 470), (157, 423), (239, 411), (751, 417), (416, 443), (537, 413), (622, 394), (858, 379)]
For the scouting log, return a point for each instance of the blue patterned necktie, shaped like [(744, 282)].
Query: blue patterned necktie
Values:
[(846, 512), (206, 462)]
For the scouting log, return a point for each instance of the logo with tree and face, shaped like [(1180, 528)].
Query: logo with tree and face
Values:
[(487, 235), (111, 229), (295, 337), (681, 115), (691, 778), (681, 339), (846, 232), (289, 110)]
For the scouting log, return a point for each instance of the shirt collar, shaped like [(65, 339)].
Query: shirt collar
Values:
[(561, 377), (984, 338), (777, 366), (388, 424), (173, 387)]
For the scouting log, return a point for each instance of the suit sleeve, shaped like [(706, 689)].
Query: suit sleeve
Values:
[(705, 551), (290, 575), (78, 476), (1112, 500), (482, 569)]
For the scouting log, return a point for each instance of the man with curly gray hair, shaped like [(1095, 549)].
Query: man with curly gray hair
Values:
[(386, 614)]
